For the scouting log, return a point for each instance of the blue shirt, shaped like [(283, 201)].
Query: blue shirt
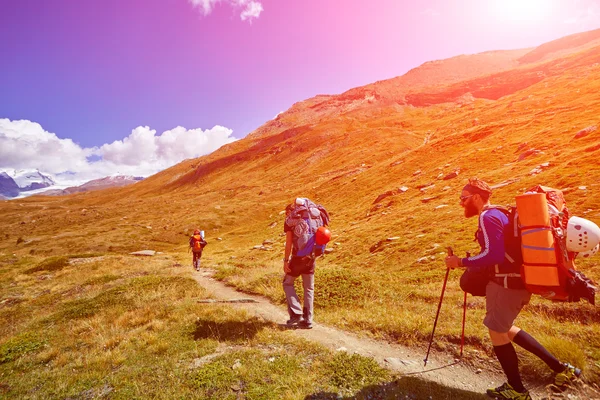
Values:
[(490, 237)]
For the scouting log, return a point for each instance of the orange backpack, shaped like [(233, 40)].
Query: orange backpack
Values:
[(548, 269), (197, 243)]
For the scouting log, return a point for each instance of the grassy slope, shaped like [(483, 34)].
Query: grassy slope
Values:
[(367, 284)]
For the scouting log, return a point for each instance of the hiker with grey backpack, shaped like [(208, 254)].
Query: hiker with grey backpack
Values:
[(307, 233), (496, 274)]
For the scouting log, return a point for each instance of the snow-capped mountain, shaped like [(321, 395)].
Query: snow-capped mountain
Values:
[(31, 180), (96, 184), (8, 186)]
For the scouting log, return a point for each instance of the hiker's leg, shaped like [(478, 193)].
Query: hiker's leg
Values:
[(293, 302), (527, 342), (506, 354), (502, 307), (308, 283)]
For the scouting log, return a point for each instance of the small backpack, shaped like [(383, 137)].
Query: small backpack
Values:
[(304, 219)]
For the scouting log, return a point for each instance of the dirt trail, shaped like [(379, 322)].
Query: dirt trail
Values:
[(397, 358)]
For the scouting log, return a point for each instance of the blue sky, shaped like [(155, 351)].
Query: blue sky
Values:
[(113, 76)]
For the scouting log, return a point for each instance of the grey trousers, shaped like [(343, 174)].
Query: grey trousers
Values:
[(293, 302)]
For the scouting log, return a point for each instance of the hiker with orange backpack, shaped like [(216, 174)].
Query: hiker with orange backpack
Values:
[(494, 273), (197, 244), (306, 236)]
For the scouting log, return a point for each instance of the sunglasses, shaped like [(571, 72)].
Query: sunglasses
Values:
[(463, 198)]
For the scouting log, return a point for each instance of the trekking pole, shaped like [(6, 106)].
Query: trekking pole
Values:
[(462, 337), (450, 253)]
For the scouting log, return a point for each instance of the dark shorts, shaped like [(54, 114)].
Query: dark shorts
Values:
[(302, 265), (502, 306)]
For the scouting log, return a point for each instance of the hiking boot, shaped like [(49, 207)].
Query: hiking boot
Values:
[(305, 325), (507, 392), (294, 321), (563, 379)]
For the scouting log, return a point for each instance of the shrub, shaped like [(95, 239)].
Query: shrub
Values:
[(353, 372), (19, 346), (50, 264)]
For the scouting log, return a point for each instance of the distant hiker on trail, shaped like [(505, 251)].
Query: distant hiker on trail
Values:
[(197, 244), (306, 236), (505, 294)]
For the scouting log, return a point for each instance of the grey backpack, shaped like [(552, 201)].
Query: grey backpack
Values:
[(304, 219)]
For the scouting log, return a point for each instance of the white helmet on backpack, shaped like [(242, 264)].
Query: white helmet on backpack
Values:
[(589, 253), (582, 235)]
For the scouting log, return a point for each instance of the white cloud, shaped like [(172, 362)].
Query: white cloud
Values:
[(26, 145), (587, 18), (252, 10), (249, 8)]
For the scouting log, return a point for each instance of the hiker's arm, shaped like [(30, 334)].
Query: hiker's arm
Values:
[(492, 252), (288, 245)]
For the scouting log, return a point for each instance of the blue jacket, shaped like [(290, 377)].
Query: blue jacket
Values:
[(493, 229)]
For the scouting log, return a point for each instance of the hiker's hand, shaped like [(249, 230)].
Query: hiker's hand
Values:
[(286, 267), (453, 262)]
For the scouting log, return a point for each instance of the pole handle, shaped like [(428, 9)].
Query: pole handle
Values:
[(450, 251)]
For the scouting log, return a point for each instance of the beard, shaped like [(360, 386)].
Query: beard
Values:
[(470, 210)]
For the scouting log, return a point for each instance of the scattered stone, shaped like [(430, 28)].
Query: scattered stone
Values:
[(281, 212), (426, 188), (257, 247), (428, 199), (271, 359), (504, 183), (236, 386), (478, 371), (268, 241), (148, 227), (236, 365), (425, 185), (385, 195), (219, 239), (417, 172), (341, 349), (403, 189), (451, 175), (420, 236), (390, 239), (535, 171), (440, 176), (585, 131), (273, 225), (447, 188), (218, 207), (337, 243), (528, 153), (422, 260), (328, 251), (143, 253), (582, 187), (441, 206), (396, 163)]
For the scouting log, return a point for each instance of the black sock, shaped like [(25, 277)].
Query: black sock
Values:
[(527, 342), (510, 364)]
